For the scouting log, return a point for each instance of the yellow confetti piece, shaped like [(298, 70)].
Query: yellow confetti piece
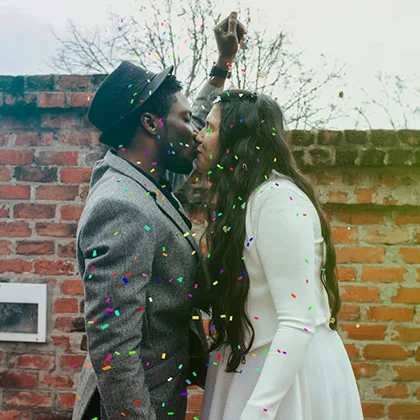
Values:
[(195, 317), (79, 398), (186, 234), (194, 252), (231, 318), (216, 282), (163, 355), (116, 233)]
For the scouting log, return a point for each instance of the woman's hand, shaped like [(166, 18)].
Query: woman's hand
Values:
[(229, 34)]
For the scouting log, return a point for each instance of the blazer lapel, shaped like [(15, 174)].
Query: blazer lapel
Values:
[(120, 165)]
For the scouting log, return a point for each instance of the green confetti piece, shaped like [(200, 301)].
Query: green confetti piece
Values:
[(265, 351), (104, 327), (117, 312), (306, 260), (147, 227), (309, 308), (164, 249), (194, 374), (115, 233), (257, 369), (180, 366), (243, 258), (94, 254), (117, 353), (179, 279), (132, 352)]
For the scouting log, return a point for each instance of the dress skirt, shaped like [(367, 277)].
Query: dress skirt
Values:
[(324, 388)]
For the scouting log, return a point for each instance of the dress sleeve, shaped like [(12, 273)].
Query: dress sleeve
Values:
[(284, 234)]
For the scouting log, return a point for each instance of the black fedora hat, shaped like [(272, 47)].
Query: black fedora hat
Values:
[(120, 95)]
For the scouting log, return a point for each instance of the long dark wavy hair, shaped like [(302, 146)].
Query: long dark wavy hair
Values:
[(251, 144)]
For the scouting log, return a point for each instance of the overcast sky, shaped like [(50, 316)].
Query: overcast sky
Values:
[(365, 35)]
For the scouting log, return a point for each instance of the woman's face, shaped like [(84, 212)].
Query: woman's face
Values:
[(208, 139)]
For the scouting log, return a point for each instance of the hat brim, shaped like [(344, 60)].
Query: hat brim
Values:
[(110, 136)]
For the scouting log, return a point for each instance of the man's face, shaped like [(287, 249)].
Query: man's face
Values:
[(179, 148)]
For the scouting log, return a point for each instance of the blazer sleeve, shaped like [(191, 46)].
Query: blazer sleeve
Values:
[(285, 243), (117, 243), (200, 109)]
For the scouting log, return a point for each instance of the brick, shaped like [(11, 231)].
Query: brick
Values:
[(15, 415), (58, 230), (53, 415), (400, 157), (328, 137), (4, 174), (385, 352), (80, 99), (346, 157), (71, 361), (365, 370), (324, 178), (320, 156), (417, 355), (38, 83), (35, 248), (364, 195), (383, 138), (72, 82), (71, 212), (66, 399), (57, 158), (15, 192), (349, 313), (67, 250), (337, 197), (372, 157), (385, 235), (61, 341), (405, 334), (72, 287), (386, 314), (28, 399), (410, 255), (416, 236), (51, 380), (57, 267), (18, 380), (381, 274), (407, 295), (404, 411), (195, 401), (344, 235), (5, 247), (79, 138), (410, 137), (5, 211), (302, 138), (57, 193), (14, 230), (373, 410), (20, 100), (364, 332), (31, 361), (65, 121), (18, 122), (355, 137), (11, 83), (36, 139), (360, 294), (346, 274), (16, 157), (360, 255), (407, 372), (358, 216), (69, 324), (382, 178), (352, 351), (34, 211), (76, 175), (399, 391), (407, 217), (66, 306), (52, 100), (35, 174)]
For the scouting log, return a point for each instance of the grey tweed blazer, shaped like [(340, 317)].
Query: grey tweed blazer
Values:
[(138, 261)]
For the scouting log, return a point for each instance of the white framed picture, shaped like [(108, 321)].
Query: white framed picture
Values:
[(23, 312)]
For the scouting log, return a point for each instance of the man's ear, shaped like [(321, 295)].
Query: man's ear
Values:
[(149, 123)]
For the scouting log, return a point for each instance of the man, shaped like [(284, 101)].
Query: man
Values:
[(135, 250)]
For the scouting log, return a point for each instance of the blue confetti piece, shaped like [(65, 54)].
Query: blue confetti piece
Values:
[(125, 280)]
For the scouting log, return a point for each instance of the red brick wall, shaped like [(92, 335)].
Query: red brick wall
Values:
[(368, 183)]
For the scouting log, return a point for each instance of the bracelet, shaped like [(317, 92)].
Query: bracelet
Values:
[(219, 72)]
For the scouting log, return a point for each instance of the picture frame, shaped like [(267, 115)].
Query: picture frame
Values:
[(23, 312)]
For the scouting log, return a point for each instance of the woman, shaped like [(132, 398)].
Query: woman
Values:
[(274, 298)]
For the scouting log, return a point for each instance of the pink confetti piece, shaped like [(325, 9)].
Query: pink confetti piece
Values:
[(107, 300), (291, 199), (255, 317)]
